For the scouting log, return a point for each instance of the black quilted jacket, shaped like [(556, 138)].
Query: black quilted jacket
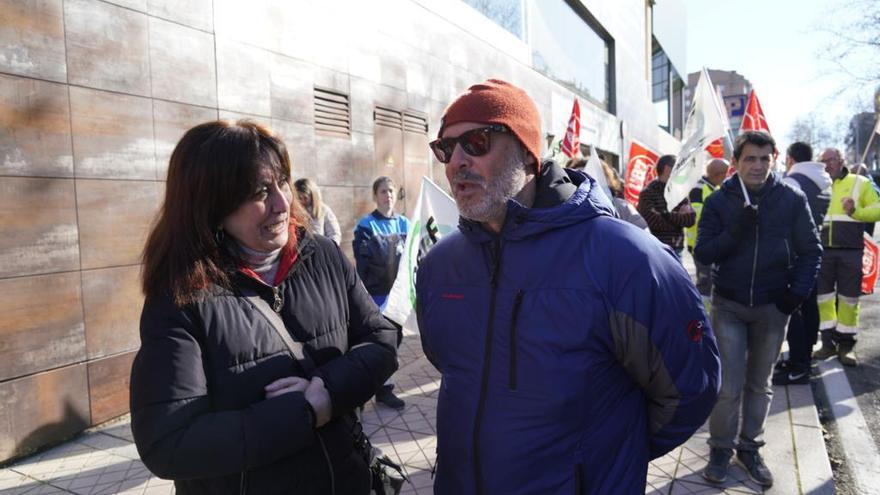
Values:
[(199, 413)]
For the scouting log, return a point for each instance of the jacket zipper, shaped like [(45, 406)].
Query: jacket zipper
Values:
[(242, 484), (487, 356), (787, 252), (754, 270), (277, 300), (517, 302), (329, 464)]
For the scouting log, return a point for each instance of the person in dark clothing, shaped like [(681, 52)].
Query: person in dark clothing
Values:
[(379, 240), (573, 348), (258, 341), (759, 235), (803, 328), (668, 226)]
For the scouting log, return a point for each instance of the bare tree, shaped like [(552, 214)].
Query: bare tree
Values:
[(854, 46), (818, 132)]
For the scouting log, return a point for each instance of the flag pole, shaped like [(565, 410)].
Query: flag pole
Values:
[(870, 140)]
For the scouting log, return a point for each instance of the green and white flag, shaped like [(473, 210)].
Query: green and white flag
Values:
[(706, 123), (435, 216)]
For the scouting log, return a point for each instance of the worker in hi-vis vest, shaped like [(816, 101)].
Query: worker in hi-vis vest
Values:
[(854, 202), (716, 171)]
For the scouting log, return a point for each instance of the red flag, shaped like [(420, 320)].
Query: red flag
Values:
[(754, 120), (870, 260), (571, 145), (640, 170), (716, 148)]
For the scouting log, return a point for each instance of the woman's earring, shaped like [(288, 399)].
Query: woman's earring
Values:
[(219, 236)]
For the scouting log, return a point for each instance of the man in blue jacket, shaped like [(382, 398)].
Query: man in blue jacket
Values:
[(573, 346), (766, 250)]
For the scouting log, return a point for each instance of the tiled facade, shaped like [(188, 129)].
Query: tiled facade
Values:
[(94, 94)]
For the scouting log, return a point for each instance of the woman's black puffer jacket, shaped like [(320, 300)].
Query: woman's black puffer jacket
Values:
[(198, 407)]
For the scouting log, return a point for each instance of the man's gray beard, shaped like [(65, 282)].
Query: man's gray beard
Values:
[(507, 184)]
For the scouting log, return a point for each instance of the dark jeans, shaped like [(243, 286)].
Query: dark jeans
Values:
[(803, 330)]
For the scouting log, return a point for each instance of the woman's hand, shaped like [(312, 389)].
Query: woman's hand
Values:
[(286, 385), (319, 398)]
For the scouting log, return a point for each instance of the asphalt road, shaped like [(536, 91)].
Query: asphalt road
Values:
[(865, 383), (865, 379)]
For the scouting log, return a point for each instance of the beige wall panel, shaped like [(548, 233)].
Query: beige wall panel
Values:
[(139, 5), (34, 128), (300, 141), (416, 166), (107, 47), (333, 158), (362, 156), (41, 325), (38, 221), (32, 37), (363, 102), (332, 79), (42, 408), (112, 135), (171, 121), (112, 303), (260, 23), (227, 115), (193, 13), (109, 380), (291, 89), (114, 218), (243, 78), (182, 64)]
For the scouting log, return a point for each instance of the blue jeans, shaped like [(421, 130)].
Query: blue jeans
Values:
[(749, 341)]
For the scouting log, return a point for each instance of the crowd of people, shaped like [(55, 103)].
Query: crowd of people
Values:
[(572, 344)]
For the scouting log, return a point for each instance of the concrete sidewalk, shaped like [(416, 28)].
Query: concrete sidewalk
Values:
[(104, 460)]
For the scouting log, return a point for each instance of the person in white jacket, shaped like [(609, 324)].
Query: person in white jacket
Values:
[(324, 221), (810, 178)]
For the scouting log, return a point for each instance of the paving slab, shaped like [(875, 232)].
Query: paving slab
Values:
[(104, 460)]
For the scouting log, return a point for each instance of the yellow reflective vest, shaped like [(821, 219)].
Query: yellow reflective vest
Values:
[(697, 196), (840, 230)]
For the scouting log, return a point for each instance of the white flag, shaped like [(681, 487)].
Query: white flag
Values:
[(594, 170), (435, 216), (706, 123)]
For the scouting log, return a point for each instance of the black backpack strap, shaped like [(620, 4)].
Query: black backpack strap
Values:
[(296, 349)]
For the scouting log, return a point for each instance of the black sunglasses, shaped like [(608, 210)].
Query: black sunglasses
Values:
[(474, 142)]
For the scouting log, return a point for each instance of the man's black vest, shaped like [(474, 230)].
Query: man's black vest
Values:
[(817, 198)]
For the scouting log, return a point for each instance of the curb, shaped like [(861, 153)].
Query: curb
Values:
[(857, 443)]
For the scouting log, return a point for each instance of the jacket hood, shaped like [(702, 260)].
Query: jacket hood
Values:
[(731, 185), (815, 171), (562, 197)]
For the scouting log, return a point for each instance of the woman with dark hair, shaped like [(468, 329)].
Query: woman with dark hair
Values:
[(258, 341), (323, 219)]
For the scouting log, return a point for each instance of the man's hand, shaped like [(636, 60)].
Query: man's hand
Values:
[(319, 399), (745, 222), (686, 208), (849, 205), (286, 385)]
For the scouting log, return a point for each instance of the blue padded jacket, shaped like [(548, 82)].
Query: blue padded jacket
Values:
[(573, 348), (782, 253)]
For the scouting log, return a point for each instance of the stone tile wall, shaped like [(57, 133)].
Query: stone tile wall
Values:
[(93, 97)]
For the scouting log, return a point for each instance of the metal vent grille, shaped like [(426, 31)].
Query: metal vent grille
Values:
[(332, 113), (405, 121), (414, 122), (387, 117)]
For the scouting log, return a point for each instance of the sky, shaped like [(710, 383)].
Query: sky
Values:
[(777, 45)]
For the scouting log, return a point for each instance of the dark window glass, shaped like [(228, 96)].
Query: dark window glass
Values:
[(567, 49)]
